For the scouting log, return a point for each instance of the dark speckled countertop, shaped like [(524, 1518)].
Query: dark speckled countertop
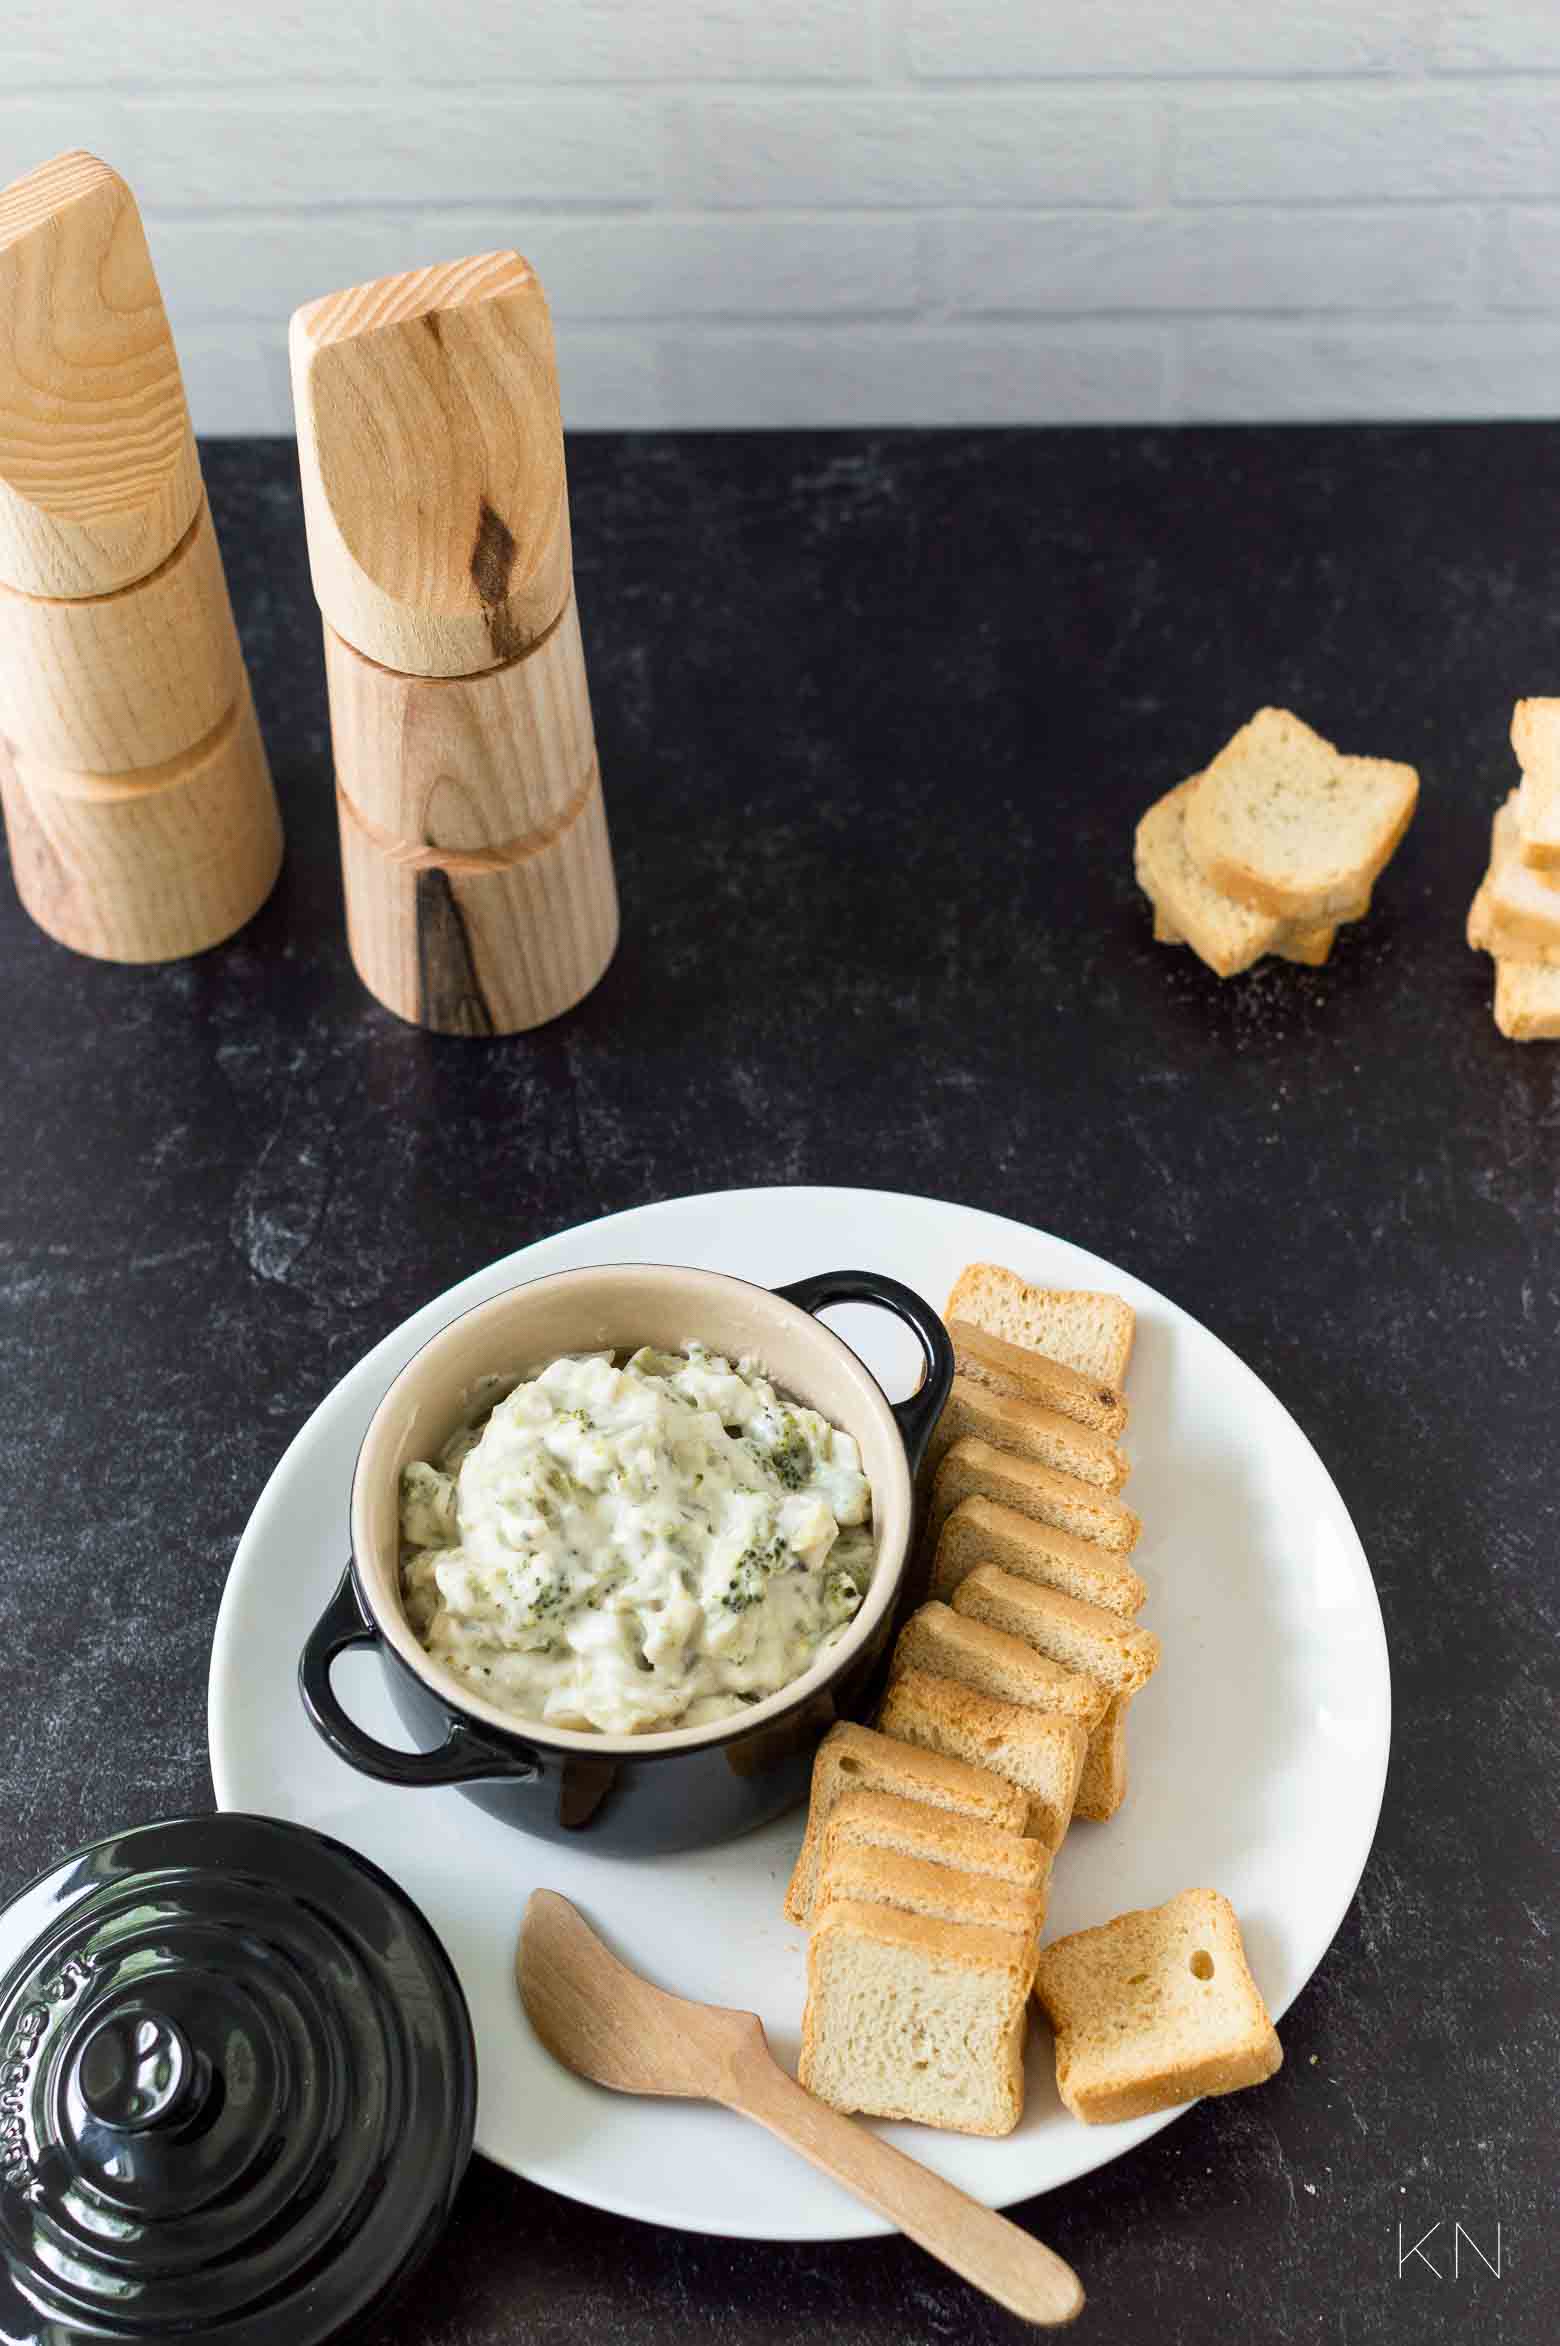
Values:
[(876, 716)]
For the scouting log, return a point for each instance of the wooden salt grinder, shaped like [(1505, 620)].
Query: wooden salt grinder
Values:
[(137, 797), (479, 888)]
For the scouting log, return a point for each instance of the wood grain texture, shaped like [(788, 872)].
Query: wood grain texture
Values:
[(464, 763), (153, 866), (108, 684), (431, 451), (99, 477), (484, 943), (607, 2023)]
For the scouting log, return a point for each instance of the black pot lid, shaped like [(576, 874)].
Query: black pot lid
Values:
[(237, 2089)]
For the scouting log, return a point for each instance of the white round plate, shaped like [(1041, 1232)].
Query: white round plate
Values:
[(1258, 1751)]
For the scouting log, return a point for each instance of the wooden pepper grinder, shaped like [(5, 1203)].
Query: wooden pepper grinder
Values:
[(137, 798), (480, 897)]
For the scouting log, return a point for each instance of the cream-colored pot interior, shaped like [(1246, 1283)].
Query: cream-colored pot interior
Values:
[(617, 1309)]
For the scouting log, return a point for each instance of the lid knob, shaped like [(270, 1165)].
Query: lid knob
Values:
[(137, 2070)]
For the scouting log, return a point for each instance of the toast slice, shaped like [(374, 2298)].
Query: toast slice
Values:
[(1516, 914), (1286, 823), (856, 1759), (1103, 1785), (917, 1885), (913, 2018), (972, 1653), (1104, 1646), (972, 1469), (1309, 948), (1535, 736), (1021, 1375), (1153, 2009), (1027, 1431), (982, 1531), (1188, 910), (1527, 1001), (1114, 1652), (1086, 1331), (937, 1836), (1041, 1755)]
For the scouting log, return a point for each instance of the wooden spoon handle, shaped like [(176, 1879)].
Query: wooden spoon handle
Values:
[(1030, 2279)]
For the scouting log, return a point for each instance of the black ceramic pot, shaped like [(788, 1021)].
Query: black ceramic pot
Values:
[(634, 1795)]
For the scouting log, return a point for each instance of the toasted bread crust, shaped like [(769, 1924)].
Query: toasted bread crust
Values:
[(976, 1469), (1018, 1744), (983, 1531), (1527, 1001), (1028, 1430), (919, 1885), (1103, 1785), (1311, 946), (1516, 914), (882, 1820), (959, 1646), (853, 1756), (1535, 737), (1014, 1370), (1121, 1656), (974, 1946)]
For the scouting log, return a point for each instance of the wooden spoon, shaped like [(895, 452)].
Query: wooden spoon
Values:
[(602, 2020)]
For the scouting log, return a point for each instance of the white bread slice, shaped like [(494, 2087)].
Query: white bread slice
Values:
[(973, 1469), (1285, 822), (917, 1885), (1022, 1375), (1100, 1645), (982, 1531), (1527, 1001), (857, 1759), (911, 2018), (1535, 736), (992, 1661), (1103, 1785), (882, 1820), (1153, 2009), (1028, 1431), (1516, 914), (1188, 910), (1041, 1755), (1087, 1331)]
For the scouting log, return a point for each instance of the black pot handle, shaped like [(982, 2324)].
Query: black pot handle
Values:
[(465, 1757), (920, 1413)]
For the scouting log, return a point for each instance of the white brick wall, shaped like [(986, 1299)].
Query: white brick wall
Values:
[(855, 211)]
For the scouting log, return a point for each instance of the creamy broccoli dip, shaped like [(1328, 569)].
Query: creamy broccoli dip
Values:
[(636, 1548)]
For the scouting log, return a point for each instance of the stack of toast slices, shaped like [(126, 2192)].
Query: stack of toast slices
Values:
[(926, 1865), (1272, 847), (1515, 917)]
